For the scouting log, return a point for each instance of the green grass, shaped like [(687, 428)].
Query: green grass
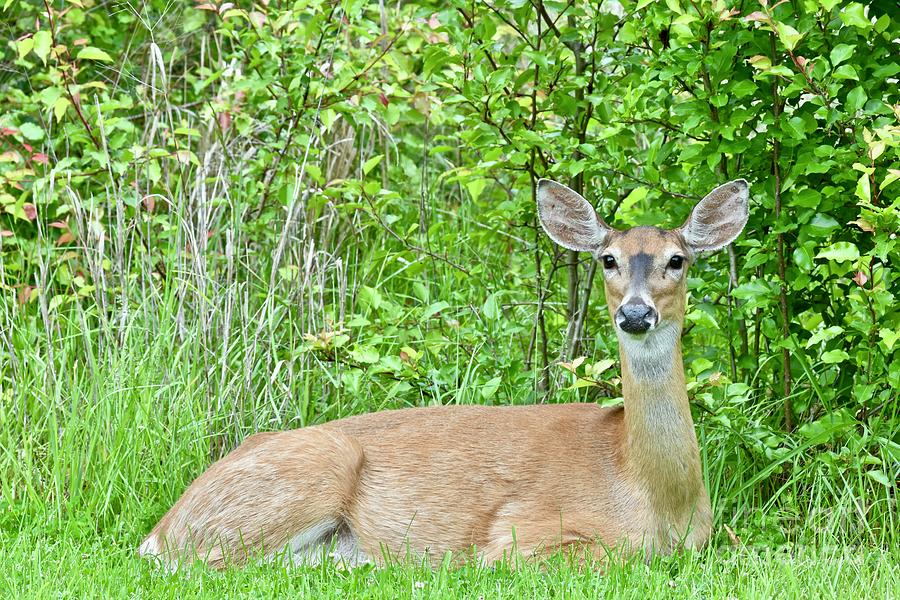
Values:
[(34, 566)]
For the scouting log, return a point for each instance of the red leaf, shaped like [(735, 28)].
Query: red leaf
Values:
[(25, 294), (30, 211), (27, 146), (8, 131), (59, 225), (40, 157), (383, 99), (860, 278), (65, 238), (6, 233), (258, 18), (224, 120), (149, 203), (757, 16)]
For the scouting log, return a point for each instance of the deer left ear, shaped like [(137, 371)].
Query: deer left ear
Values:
[(719, 218)]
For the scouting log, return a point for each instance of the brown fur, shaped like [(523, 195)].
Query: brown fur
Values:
[(528, 479)]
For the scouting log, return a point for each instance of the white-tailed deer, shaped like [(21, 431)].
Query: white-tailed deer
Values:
[(496, 480)]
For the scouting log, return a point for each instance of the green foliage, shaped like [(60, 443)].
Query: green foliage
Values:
[(36, 569), (304, 210)]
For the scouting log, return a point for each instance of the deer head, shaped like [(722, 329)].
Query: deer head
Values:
[(644, 268)]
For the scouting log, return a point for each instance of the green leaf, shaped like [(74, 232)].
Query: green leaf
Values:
[(821, 225), (892, 176), (372, 163), (743, 88), (491, 308), (24, 46), (490, 388), (789, 36), (794, 127), (599, 367), (807, 198), (369, 297), (864, 188), (879, 476), (56, 301), (845, 72), (475, 187), (803, 258), (92, 53), (889, 337), (635, 196), (834, 356), (854, 15), (435, 58), (289, 273), (856, 99), (825, 428), (366, 355), (674, 6), (31, 132), (824, 335), (840, 252), (60, 107), (434, 309), (840, 53), (752, 289), (42, 42)]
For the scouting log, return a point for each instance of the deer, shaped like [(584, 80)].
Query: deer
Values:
[(493, 481)]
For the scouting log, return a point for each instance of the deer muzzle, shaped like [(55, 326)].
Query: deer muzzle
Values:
[(636, 317)]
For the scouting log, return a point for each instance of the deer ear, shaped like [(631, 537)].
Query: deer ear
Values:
[(568, 218), (719, 218)]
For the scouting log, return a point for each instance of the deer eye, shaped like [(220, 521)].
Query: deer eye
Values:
[(676, 262), (608, 261)]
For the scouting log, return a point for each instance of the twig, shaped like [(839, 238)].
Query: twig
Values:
[(409, 246), (782, 293), (76, 104), (652, 185)]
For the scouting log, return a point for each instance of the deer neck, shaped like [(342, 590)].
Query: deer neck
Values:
[(661, 446)]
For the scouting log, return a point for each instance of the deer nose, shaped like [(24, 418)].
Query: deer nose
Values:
[(635, 317)]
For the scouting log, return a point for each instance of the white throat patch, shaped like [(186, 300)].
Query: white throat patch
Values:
[(650, 356)]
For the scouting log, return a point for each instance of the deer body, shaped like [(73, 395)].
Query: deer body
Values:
[(527, 479)]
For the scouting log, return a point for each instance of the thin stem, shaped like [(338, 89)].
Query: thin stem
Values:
[(782, 293)]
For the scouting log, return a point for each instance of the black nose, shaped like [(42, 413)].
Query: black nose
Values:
[(635, 317)]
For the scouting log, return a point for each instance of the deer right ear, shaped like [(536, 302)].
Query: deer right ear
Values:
[(568, 218)]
